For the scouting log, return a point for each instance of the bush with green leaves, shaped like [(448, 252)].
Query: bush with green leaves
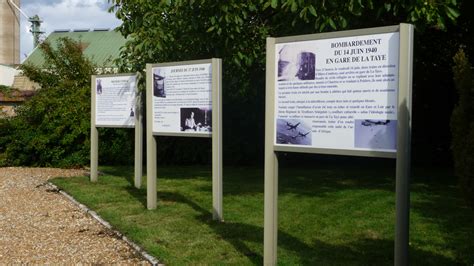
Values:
[(5, 90), (53, 127), (462, 125)]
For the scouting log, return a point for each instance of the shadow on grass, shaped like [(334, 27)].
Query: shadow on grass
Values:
[(359, 252), (433, 197), (303, 181), (183, 172), (439, 201)]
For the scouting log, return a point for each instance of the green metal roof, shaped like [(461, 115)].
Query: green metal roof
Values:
[(102, 47)]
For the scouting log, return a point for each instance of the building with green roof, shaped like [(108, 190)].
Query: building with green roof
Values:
[(101, 46)]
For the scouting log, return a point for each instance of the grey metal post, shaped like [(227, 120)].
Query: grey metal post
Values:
[(271, 163), (217, 139), (138, 138), (403, 145), (150, 144), (94, 136)]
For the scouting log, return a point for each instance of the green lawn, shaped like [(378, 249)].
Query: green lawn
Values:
[(328, 215)]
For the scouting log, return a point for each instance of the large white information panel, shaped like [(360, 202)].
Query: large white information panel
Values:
[(182, 99), (115, 101), (338, 93)]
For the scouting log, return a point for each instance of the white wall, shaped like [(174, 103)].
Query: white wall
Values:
[(7, 74)]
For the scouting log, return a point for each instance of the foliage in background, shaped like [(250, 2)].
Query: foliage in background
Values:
[(236, 31), (432, 101), (462, 125), (53, 127), (5, 90), (178, 30)]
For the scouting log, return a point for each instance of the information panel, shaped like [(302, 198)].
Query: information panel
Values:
[(115, 101), (182, 99), (338, 93)]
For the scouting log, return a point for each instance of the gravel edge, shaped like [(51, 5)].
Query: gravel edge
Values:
[(152, 260)]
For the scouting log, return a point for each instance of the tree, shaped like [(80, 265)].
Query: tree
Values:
[(53, 127), (174, 29), (236, 31), (462, 125)]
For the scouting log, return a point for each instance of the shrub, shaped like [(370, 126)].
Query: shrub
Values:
[(53, 127)]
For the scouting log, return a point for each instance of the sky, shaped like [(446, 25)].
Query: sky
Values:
[(63, 14)]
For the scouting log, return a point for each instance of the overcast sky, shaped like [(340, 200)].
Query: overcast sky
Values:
[(64, 14)]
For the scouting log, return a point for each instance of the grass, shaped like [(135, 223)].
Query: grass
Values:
[(328, 215)]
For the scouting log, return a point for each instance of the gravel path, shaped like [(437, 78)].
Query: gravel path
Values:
[(39, 225)]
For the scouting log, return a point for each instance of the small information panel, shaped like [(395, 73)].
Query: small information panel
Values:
[(182, 99), (115, 101), (338, 93)]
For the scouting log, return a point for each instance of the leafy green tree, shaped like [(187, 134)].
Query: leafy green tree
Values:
[(182, 29), (432, 102), (53, 127), (462, 125), (236, 31)]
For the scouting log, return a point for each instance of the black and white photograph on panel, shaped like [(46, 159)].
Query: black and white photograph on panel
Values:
[(99, 87), (159, 84), (196, 119), (293, 131), (375, 134), (295, 63)]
